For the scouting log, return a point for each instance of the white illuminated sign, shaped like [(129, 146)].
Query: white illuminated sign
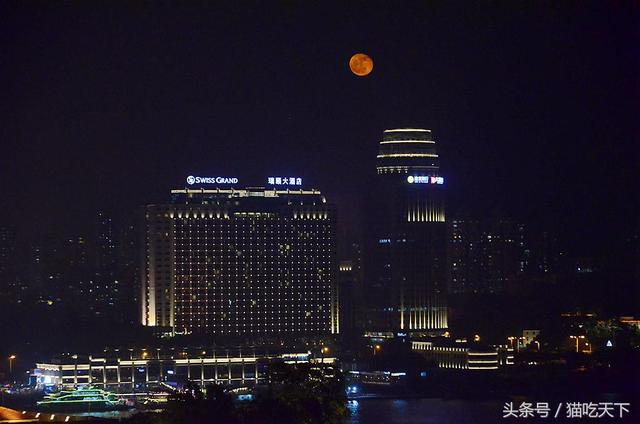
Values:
[(284, 181), (211, 180), (424, 179)]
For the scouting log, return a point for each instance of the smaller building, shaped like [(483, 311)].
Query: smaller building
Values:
[(529, 336), (630, 321), (463, 356)]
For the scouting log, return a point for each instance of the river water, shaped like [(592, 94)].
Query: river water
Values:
[(418, 411), (398, 411)]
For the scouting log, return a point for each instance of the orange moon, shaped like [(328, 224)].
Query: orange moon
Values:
[(361, 64)]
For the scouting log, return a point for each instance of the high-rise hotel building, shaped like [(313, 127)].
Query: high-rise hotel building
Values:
[(406, 266), (240, 262)]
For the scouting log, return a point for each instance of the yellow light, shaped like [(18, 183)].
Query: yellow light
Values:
[(408, 130), (408, 141), (12, 357), (408, 155)]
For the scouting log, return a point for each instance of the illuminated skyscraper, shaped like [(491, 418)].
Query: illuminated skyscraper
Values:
[(406, 269), (240, 262)]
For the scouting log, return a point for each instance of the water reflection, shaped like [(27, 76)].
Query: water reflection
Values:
[(353, 406)]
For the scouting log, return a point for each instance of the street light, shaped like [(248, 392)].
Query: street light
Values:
[(11, 358), (577, 341), (376, 349)]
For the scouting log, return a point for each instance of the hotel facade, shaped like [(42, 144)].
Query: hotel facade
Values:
[(239, 262)]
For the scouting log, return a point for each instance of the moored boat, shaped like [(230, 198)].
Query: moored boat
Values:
[(86, 399)]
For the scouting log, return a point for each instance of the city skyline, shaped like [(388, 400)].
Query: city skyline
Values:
[(555, 139), (269, 211)]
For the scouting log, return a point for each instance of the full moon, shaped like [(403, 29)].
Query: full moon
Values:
[(361, 64)]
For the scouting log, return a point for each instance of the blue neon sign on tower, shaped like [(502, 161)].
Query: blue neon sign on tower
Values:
[(425, 179)]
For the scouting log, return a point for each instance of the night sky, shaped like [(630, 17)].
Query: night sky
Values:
[(534, 107)]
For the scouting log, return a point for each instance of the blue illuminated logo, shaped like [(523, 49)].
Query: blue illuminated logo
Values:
[(425, 179), (211, 180), (291, 181)]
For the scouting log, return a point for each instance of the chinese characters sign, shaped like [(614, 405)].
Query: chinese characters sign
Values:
[(566, 410), (290, 181)]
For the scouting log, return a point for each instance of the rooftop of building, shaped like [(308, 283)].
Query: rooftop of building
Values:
[(245, 196), (404, 150)]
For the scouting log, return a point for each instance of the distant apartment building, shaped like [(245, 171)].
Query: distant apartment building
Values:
[(484, 256)]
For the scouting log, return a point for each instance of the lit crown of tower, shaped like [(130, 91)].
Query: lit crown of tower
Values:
[(407, 150)]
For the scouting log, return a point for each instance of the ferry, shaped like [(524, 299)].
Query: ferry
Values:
[(86, 399)]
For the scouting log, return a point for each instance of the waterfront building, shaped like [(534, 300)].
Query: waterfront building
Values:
[(406, 273), (131, 369), (237, 262), (459, 355)]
